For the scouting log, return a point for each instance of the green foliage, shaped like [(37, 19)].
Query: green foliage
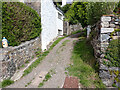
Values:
[(87, 13), (117, 9), (41, 84), (115, 30), (96, 9), (26, 62), (56, 42), (19, 22), (77, 13), (116, 79), (32, 66), (65, 8), (47, 77), (84, 65), (6, 83), (112, 53), (75, 32), (114, 85), (65, 42)]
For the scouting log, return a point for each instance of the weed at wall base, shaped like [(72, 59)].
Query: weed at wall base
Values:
[(5, 83), (47, 77)]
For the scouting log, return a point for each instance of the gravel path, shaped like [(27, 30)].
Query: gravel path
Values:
[(57, 60)]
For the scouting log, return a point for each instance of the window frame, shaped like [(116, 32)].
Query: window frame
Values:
[(59, 16)]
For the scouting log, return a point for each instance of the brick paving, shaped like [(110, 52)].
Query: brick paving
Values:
[(71, 82)]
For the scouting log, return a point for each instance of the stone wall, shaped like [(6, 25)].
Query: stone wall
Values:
[(108, 24), (101, 36), (14, 57), (68, 29), (75, 27)]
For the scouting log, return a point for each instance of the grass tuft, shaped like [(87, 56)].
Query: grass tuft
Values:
[(84, 65), (65, 42), (5, 83), (75, 32), (56, 42), (41, 84), (47, 77)]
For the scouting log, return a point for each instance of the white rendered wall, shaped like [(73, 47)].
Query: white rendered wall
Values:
[(50, 23), (59, 21), (64, 2)]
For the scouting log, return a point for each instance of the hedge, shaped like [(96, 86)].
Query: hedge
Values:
[(20, 23)]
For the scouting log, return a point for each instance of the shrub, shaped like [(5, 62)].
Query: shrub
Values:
[(6, 82), (19, 22)]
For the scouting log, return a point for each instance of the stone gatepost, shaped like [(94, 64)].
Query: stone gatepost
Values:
[(88, 30), (106, 29)]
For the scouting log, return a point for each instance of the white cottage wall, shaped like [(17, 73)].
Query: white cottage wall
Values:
[(50, 22), (59, 22)]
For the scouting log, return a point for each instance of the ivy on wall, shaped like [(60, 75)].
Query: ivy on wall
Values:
[(112, 54)]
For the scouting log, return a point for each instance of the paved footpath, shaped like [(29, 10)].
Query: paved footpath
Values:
[(57, 60)]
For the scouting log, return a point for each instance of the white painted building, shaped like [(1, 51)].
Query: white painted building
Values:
[(64, 2), (52, 22)]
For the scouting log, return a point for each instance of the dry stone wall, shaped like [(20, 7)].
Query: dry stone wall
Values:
[(68, 29), (109, 24), (100, 42), (14, 57), (75, 27)]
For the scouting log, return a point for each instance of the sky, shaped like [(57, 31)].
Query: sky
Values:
[(69, 1)]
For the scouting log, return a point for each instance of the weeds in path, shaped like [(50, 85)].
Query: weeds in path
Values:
[(5, 83), (29, 82), (63, 44), (41, 57), (47, 77), (84, 65)]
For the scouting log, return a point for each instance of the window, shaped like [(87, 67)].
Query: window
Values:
[(59, 16), (59, 32)]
